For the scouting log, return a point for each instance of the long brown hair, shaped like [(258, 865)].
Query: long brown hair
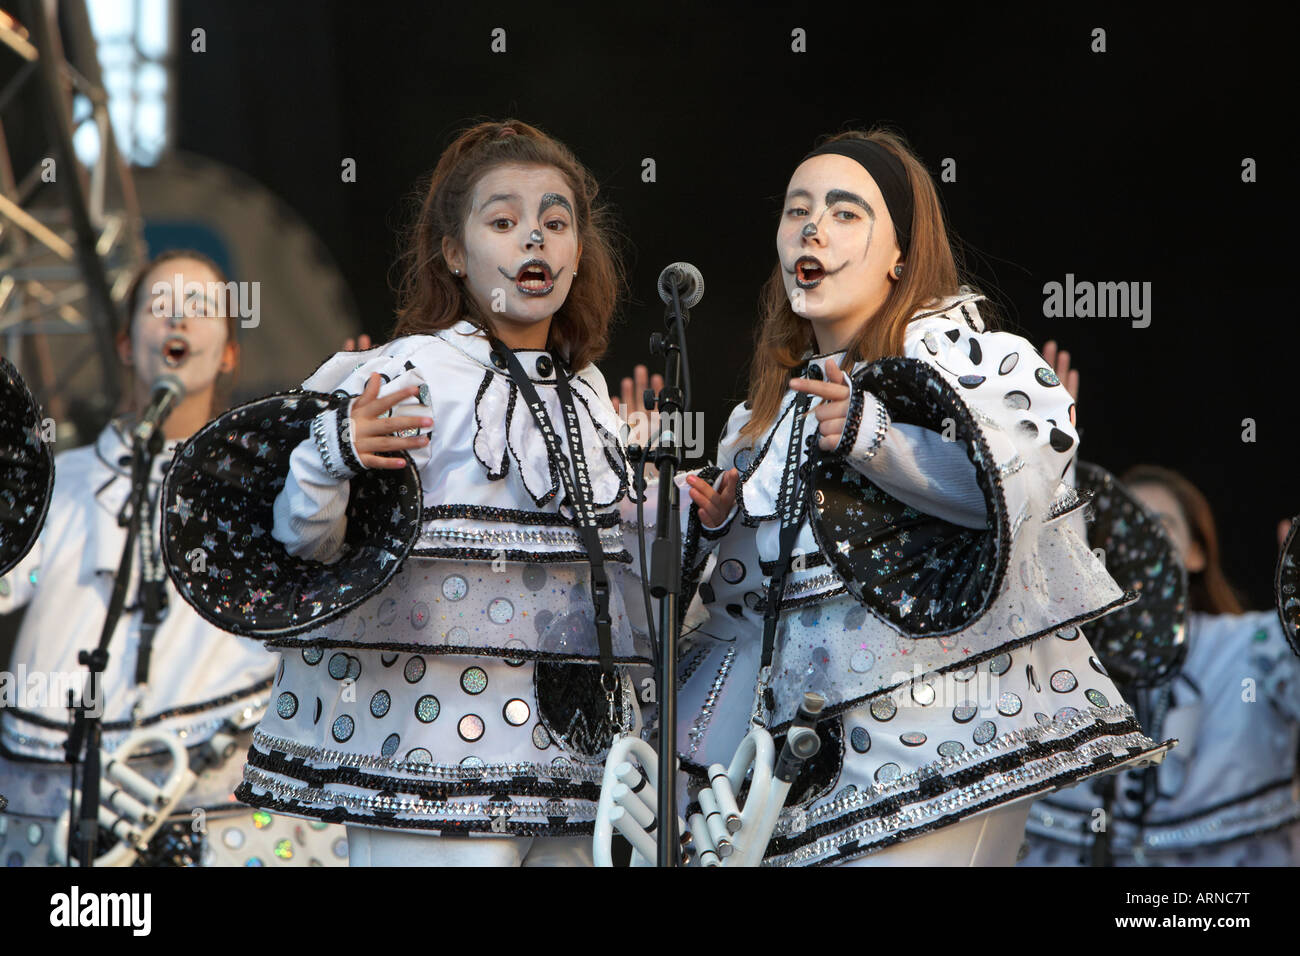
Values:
[(1208, 590), (932, 272), (430, 297), (224, 386)]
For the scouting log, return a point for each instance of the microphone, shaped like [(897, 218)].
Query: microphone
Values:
[(689, 282), (166, 394)]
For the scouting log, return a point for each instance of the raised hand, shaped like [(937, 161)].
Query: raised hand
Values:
[(643, 425), (714, 503), (372, 434), (1059, 360), (357, 345), (833, 411)]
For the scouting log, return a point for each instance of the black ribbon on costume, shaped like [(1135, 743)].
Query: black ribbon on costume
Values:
[(577, 485)]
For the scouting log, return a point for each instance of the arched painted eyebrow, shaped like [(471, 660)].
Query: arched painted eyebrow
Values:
[(843, 195), (553, 199)]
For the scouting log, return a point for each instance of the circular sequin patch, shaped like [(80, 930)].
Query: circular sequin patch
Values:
[(427, 709), (470, 728), (1064, 681), (454, 587), (883, 709), (338, 666), (1009, 704), (261, 819), (923, 694), (474, 680), (541, 739), (862, 660), (913, 738), (414, 670), (952, 748), (732, 571), (1008, 363), (312, 655), (419, 615), (286, 705), (517, 644), (1046, 376), (472, 763), (888, 773), (343, 728), (389, 746), (1016, 399), (985, 731), (1065, 713), (233, 837), (1068, 634), (380, 703), (964, 712), (419, 756), (501, 611), (860, 739), (1000, 665), (458, 637), (1096, 697), (516, 712)]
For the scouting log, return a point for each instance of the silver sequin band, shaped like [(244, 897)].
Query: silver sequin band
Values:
[(334, 469), (1011, 466), (705, 715), (430, 536)]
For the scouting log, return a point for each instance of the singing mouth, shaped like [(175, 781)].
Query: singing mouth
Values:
[(175, 350), (533, 278), (809, 272)]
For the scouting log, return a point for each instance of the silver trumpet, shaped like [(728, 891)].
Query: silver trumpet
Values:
[(132, 808), (721, 832)]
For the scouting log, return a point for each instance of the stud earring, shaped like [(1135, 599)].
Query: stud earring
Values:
[(455, 272), (898, 272), (575, 273)]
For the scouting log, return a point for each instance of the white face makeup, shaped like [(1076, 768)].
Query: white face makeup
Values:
[(837, 247), (188, 338), (1162, 503), (521, 248)]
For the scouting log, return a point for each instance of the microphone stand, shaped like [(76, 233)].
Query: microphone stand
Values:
[(666, 564), (87, 731)]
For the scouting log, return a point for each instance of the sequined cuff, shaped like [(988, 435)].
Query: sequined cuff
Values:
[(333, 441), (857, 443)]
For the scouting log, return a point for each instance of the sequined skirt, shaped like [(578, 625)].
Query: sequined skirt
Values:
[(944, 748)]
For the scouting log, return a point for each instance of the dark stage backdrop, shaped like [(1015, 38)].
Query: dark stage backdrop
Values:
[(1116, 166)]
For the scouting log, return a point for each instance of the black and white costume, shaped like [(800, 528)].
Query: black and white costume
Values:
[(441, 664), (199, 682), (934, 597)]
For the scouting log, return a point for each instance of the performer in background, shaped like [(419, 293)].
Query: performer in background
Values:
[(901, 511), (455, 671), (1228, 795), (167, 669)]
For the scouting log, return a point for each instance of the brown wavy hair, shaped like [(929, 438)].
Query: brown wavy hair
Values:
[(1209, 590), (224, 387), (933, 271), (431, 298)]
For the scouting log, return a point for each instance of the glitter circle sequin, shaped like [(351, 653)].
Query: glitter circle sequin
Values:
[(1009, 704), (389, 746), (354, 668), (985, 731), (963, 675), (414, 669), (923, 694), (1043, 719), (500, 611), (883, 709), (458, 637), (473, 763), (1016, 399), (1096, 697), (312, 655), (338, 666), (454, 587), (1000, 665), (261, 819), (516, 644), (862, 660), (419, 615), (888, 773), (380, 703), (1046, 376), (913, 738), (233, 837), (470, 727), (744, 458), (284, 849), (1065, 713), (473, 680), (534, 576), (343, 728), (1064, 681), (732, 571), (860, 739), (419, 756), (286, 705), (516, 712), (427, 709), (541, 739), (1068, 634), (952, 748), (1008, 363), (965, 712)]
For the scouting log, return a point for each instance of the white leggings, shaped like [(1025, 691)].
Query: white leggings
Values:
[(371, 847), (991, 838)]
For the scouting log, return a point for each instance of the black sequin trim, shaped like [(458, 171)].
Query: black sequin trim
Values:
[(350, 460), (504, 653), (514, 554), (500, 472), (608, 519)]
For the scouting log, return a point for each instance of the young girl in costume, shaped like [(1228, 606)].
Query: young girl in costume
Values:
[(899, 543), (1226, 796), (168, 669), (430, 533)]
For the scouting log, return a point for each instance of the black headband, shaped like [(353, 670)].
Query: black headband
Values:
[(888, 172)]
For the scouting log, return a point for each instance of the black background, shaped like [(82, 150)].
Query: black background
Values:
[(1119, 166)]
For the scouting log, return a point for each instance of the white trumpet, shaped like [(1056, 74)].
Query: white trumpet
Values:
[(132, 808), (721, 833)]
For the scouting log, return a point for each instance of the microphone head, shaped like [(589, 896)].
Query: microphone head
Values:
[(690, 284), (170, 384)]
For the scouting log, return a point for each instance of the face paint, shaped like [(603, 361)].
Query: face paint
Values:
[(518, 267), (176, 334), (842, 204)]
